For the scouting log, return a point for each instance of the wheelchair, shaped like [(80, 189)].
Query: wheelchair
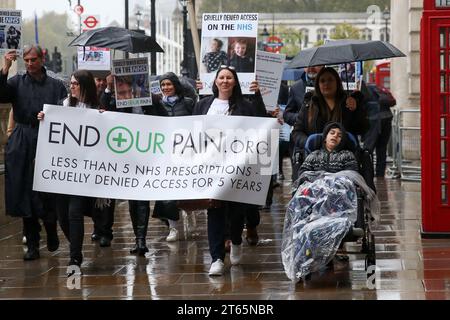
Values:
[(360, 229)]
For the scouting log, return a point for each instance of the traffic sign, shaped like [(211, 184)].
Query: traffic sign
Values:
[(91, 22), (78, 9)]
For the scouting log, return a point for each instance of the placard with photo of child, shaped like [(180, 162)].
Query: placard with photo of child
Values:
[(228, 39)]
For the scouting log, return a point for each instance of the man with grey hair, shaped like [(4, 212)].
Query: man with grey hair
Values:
[(28, 93)]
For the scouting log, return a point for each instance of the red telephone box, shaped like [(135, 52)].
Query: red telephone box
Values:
[(435, 117), (383, 75)]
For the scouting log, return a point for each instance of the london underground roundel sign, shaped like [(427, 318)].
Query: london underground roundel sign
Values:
[(90, 22)]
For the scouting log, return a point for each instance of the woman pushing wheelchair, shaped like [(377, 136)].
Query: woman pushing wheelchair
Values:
[(324, 209)]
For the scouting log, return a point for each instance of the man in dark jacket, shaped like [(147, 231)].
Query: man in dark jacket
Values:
[(297, 94), (28, 93)]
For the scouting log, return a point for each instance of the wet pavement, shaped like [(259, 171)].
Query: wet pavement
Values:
[(410, 267)]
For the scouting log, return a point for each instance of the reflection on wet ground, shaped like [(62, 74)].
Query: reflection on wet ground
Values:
[(410, 267)]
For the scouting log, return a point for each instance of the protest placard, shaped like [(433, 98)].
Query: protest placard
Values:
[(10, 30), (228, 39), (155, 87), (129, 156), (269, 71), (350, 74), (94, 59), (131, 82)]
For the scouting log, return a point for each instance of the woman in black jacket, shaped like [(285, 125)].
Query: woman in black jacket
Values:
[(329, 102), (172, 104), (227, 99)]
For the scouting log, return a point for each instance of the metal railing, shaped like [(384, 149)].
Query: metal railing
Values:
[(402, 167)]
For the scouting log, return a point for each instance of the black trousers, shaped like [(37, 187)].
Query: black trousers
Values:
[(252, 217), (71, 211), (217, 227), (140, 214), (32, 228), (47, 213), (103, 220), (381, 146), (283, 152)]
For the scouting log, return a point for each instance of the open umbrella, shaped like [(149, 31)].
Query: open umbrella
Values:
[(344, 51), (117, 38)]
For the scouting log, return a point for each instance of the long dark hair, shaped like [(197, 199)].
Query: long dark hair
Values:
[(88, 89), (320, 102), (237, 91)]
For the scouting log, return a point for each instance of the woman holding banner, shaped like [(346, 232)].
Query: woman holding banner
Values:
[(172, 104), (227, 99), (71, 208)]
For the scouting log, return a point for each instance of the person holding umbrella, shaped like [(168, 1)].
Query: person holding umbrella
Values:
[(329, 102)]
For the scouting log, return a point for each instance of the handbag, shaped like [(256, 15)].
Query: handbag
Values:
[(199, 204)]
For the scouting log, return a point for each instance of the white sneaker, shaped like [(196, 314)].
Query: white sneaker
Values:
[(24, 240), (216, 268), (235, 254), (173, 235)]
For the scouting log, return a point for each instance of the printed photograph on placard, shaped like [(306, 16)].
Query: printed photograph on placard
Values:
[(228, 39)]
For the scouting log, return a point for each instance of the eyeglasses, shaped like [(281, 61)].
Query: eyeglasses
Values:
[(74, 83), (224, 66)]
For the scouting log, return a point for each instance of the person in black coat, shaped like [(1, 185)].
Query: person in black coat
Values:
[(28, 93), (227, 99), (172, 104)]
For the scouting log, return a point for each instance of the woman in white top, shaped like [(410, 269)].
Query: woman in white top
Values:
[(227, 99), (71, 208)]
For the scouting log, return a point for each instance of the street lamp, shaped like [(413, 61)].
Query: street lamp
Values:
[(138, 15), (386, 17), (184, 64)]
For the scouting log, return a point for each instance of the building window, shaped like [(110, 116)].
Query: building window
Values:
[(332, 32), (321, 34), (367, 34)]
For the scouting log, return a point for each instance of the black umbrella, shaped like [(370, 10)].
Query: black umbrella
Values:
[(117, 38), (344, 51)]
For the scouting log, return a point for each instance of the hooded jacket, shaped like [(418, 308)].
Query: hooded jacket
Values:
[(337, 160), (183, 105)]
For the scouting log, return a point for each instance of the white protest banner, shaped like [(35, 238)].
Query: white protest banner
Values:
[(94, 59), (10, 30), (132, 82), (228, 39), (269, 72), (139, 157)]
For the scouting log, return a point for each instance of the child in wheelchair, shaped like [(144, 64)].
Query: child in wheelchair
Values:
[(326, 205)]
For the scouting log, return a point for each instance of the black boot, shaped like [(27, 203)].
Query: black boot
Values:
[(140, 247), (32, 253), (52, 236), (105, 242), (140, 214)]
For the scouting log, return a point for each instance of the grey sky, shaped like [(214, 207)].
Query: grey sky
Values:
[(108, 10)]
